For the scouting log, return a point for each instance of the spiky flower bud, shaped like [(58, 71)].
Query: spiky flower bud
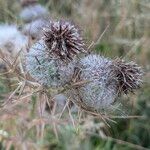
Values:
[(35, 28), (33, 12), (46, 70), (102, 80), (128, 75), (63, 40)]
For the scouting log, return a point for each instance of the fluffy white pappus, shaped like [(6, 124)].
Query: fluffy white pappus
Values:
[(35, 28), (11, 40), (46, 70), (99, 90), (33, 12)]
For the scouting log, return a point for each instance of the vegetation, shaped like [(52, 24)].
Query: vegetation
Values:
[(112, 28)]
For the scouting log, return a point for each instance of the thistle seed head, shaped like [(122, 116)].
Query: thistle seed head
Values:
[(39, 67), (33, 12), (63, 40), (11, 40), (100, 91), (35, 28), (45, 70), (128, 75)]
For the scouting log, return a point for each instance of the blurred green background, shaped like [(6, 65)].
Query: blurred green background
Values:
[(127, 35)]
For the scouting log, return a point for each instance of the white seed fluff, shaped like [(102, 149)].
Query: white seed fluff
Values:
[(11, 40), (100, 91), (35, 28), (33, 12), (46, 70)]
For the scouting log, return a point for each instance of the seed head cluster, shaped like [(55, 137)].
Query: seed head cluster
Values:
[(52, 61)]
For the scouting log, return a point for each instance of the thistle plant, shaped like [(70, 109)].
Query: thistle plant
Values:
[(33, 105), (105, 80), (53, 62), (32, 11)]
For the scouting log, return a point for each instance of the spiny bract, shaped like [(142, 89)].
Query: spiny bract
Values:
[(63, 40), (46, 70)]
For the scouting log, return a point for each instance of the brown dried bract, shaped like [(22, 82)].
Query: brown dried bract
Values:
[(128, 75), (63, 40)]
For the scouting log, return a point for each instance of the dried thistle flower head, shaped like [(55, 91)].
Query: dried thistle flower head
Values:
[(25, 3), (99, 90), (33, 12), (38, 66), (35, 29), (128, 75), (11, 40), (46, 70), (63, 40), (102, 80)]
